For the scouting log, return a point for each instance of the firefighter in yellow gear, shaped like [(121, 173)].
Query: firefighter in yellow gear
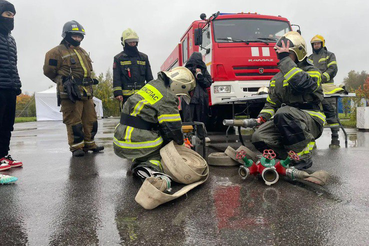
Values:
[(292, 118), (326, 62), (70, 67), (150, 119), (131, 68)]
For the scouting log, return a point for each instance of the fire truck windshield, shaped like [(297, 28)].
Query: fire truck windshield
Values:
[(249, 30)]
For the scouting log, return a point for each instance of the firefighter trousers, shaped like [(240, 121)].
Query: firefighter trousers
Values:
[(152, 161), (329, 108), (289, 129), (81, 121)]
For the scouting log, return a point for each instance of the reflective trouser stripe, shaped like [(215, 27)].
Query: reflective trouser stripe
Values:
[(169, 118), (128, 135), (317, 114), (309, 147), (334, 91), (156, 163), (82, 64), (138, 145), (89, 142), (75, 145)]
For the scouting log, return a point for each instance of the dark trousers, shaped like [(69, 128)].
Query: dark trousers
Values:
[(8, 99)]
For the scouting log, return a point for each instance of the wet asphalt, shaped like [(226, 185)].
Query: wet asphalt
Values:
[(61, 200)]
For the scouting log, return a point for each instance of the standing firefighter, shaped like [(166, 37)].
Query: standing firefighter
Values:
[(70, 67), (131, 68), (326, 62), (292, 114), (150, 119)]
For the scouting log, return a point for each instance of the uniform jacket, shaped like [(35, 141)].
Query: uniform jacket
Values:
[(326, 62), (156, 104), (9, 77), (63, 61), (130, 73), (295, 85)]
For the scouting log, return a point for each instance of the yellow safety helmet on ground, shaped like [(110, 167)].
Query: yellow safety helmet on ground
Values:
[(129, 35), (318, 39), (182, 82), (297, 44)]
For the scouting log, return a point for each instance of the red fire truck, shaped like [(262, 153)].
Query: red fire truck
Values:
[(237, 49)]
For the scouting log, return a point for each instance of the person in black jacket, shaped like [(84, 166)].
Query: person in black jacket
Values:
[(131, 68), (198, 109), (10, 83)]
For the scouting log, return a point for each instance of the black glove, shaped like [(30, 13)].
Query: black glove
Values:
[(71, 88), (18, 91), (95, 81)]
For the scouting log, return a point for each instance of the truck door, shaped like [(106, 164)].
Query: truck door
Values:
[(206, 48)]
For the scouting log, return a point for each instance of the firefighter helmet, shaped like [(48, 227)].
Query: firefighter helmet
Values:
[(297, 44), (73, 27), (182, 81), (129, 35), (318, 39)]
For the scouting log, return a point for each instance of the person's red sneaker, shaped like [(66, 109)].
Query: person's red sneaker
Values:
[(4, 165), (11, 161)]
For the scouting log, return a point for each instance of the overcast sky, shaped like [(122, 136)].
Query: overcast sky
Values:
[(161, 23)]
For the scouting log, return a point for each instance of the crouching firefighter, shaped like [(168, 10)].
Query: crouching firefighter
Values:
[(292, 118), (150, 119), (70, 67)]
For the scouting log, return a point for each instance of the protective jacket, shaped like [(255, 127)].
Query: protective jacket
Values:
[(298, 86), (130, 73), (63, 61), (326, 62), (9, 78), (157, 106)]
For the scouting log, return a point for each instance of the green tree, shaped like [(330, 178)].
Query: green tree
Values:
[(104, 91), (354, 80)]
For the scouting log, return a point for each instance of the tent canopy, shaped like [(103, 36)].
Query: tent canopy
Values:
[(47, 108)]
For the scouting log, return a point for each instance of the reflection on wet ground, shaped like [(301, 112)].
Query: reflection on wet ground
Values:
[(60, 200)]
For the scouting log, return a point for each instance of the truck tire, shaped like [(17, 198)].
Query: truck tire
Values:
[(221, 159)]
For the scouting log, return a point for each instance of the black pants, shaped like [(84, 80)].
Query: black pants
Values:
[(7, 116)]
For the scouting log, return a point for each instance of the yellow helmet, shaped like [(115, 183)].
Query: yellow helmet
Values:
[(318, 39), (129, 35), (183, 81), (297, 44)]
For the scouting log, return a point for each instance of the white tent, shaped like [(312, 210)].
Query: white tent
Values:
[(47, 108)]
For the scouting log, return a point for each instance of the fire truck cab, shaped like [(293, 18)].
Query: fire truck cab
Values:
[(237, 49)]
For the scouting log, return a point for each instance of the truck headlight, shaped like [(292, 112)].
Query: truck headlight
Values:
[(222, 89)]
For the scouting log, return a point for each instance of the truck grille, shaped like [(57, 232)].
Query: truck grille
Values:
[(256, 71)]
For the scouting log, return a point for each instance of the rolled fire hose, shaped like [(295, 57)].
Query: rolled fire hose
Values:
[(183, 165), (221, 159)]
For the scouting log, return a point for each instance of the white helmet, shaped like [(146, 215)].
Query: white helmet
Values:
[(182, 82)]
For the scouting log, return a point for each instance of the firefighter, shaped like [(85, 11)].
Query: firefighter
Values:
[(292, 118), (150, 119), (326, 62), (70, 67), (131, 68)]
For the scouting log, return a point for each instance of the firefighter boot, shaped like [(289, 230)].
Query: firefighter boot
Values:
[(335, 142), (146, 172), (78, 153), (95, 149)]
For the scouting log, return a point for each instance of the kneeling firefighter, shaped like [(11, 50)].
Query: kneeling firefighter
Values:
[(292, 117), (70, 67), (150, 119)]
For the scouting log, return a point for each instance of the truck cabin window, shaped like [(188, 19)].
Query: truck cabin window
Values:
[(249, 30)]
